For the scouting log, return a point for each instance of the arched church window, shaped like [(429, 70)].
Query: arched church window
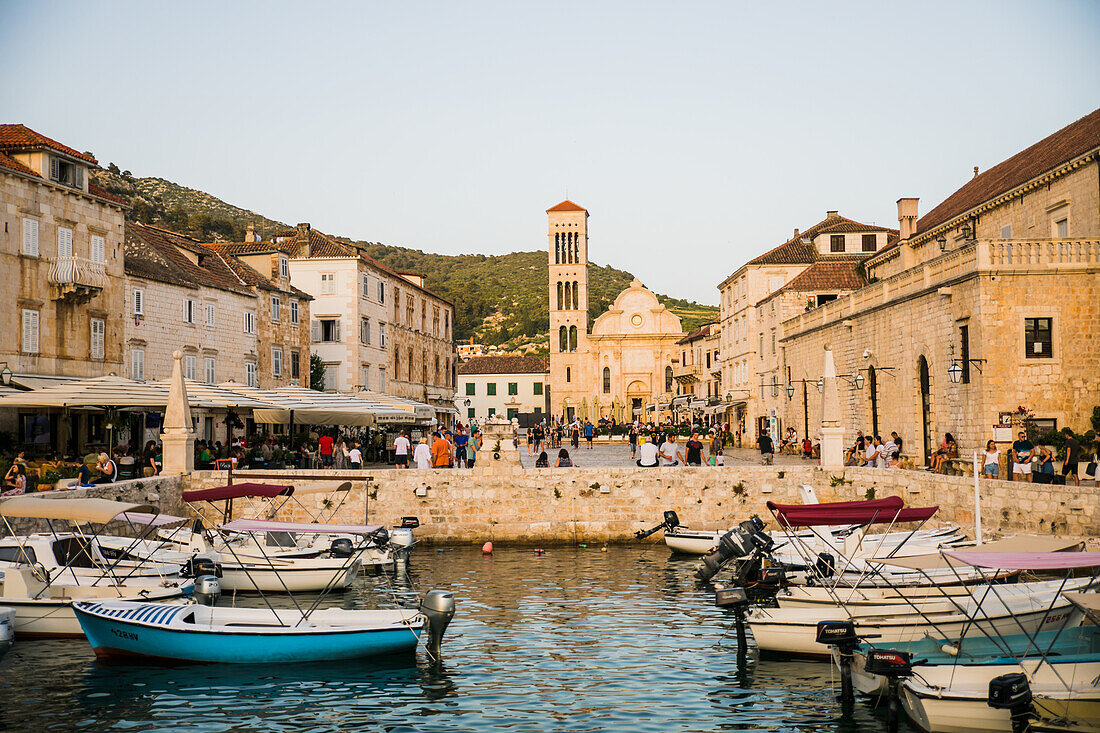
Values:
[(668, 379), (561, 287), (577, 249), (563, 339), (606, 380), (557, 248), (576, 296), (572, 338)]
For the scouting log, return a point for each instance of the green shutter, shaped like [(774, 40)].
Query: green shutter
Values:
[(471, 388)]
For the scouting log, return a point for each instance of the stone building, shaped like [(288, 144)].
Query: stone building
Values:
[(744, 343), (373, 327), (502, 385), (625, 361), (61, 274), (699, 373), (998, 286), (181, 295)]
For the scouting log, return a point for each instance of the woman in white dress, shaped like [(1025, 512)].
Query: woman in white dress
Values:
[(423, 454)]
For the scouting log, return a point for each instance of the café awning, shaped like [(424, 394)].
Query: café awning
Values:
[(98, 392), (200, 392)]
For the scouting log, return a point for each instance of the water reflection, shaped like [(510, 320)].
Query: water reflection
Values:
[(572, 640)]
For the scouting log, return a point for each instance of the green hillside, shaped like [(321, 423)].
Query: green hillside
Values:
[(499, 299)]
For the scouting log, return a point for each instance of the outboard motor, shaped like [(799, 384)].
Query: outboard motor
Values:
[(1012, 692), (409, 523), (774, 576), (672, 521), (737, 600), (894, 666), (197, 566), (402, 538), (208, 589), (842, 635), (380, 537), (341, 547), (439, 607), (825, 565), (731, 545)]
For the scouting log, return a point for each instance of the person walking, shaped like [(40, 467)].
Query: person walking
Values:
[(575, 435), (767, 449), (694, 451), (632, 439), (669, 452), (422, 456), (441, 452), (1073, 455), (536, 439), (324, 450), (473, 447), (355, 456), (461, 441), (401, 446), (589, 432)]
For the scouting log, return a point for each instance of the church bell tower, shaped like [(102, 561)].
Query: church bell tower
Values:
[(568, 250)]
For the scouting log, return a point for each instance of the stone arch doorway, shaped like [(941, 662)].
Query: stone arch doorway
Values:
[(925, 408), (637, 392)]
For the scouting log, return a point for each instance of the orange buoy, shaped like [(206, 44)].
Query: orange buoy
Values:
[(487, 548)]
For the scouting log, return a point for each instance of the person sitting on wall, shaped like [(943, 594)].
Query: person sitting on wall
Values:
[(107, 468), (83, 475), (15, 481), (948, 449), (564, 461), (543, 461), (647, 454), (855, 453)]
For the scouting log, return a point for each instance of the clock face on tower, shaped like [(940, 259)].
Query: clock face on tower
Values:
[(637, 320)]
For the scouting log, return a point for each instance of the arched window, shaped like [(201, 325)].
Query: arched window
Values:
[(572, 338), (396, 364), (560, 289), (557, 248), (577, 249), (569, 296), (563, 339), (576, 296), (410, 364), (668, 379), (568, 248), (424, 366), (606, 380)]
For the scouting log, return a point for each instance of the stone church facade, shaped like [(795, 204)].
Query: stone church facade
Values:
[(621, 364)]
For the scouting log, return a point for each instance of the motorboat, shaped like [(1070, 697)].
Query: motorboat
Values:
[(42, 600), (7, 629), (79, 558)]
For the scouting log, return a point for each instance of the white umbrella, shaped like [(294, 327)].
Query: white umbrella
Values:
[(96, 392)]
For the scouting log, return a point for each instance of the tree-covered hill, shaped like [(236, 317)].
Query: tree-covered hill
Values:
[(499, 299)]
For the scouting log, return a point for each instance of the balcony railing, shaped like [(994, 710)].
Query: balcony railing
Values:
[(76, 278), (984, 255)]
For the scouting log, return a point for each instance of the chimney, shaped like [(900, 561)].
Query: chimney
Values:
[(303, 240), (975, 171), (831, 214), (795, 233), (250, 233), (907, 217)]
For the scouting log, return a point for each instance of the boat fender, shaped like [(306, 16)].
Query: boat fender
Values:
[(340, 547), (1013, 693), (438, 606), (207, 590), (487, 548)]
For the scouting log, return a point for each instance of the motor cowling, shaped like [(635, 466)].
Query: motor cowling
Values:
[(772, 576), (825, 565), (837, 633), (1009, 691), (409, 522), (380, 537), (402, 537), (889, 663), (672, 520), (208, 589), (438, 606), (341, 547), (734, 597), (198, 565)]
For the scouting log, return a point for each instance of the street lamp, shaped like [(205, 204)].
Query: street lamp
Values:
[(942, 241), (955, 372), (729, 398), (5, 374), (859, 381), (820, 384), (790, 391)]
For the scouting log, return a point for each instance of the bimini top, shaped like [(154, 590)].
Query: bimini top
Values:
[(150, 520), (259, 525), (238, 491), (875, 511), (1017, 544), (99, 511), (1027, 560)]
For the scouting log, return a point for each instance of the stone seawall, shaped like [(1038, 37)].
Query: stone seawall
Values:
[(560, 505)]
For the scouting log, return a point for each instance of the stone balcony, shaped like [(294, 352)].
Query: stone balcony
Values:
[(979, 256), (686, 374), (76, 279)]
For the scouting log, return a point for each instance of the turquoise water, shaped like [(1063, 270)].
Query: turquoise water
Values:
[(573, 640)]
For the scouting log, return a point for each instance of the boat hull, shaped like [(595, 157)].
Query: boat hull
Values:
[(144, 634), (53, 618), (300, 575)]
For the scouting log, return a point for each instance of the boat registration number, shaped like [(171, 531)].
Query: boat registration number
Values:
[(124, 634), (1056, 617)]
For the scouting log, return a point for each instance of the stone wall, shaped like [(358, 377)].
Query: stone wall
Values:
[(558, 505)]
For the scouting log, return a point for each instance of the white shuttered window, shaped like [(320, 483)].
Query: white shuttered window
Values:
[(64, 242), (211, 377), (30, 237), (250, 373), (137, 365), (99, 249), (277, 362), (98, 331), (189, 364), (30, 331), (139, 302)]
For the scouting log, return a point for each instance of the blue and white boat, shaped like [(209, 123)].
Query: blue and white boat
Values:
[(199, 633)]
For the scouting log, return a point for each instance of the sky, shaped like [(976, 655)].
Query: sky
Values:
[(697, 134)]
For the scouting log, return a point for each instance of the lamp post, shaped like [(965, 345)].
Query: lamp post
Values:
[(5, 374)]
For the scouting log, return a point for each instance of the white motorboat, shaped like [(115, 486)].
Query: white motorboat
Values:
[(78, 558), (42, 600), (793, 631)]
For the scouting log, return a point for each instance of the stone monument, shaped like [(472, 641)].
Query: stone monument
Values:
[(498, 452), (178, 436), (832, 432)]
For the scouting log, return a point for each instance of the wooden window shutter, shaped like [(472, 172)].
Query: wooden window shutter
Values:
[(30, 331), (315, 331), (30, 237)]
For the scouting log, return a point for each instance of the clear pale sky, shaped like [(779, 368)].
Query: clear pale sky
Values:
[(696, 134)]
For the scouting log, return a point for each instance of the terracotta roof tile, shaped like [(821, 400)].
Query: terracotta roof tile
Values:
[(154, 253), (566, 205), (254, 248), (103, 193), (13, 164), (252, 276), (21, 137), (703, 331), (505, 365), (799, 250), (828, 275), (1068, 143)]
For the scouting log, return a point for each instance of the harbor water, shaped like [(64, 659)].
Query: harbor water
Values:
[(576, 639)]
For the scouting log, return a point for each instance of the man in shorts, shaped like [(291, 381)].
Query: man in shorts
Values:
[(461, 440), (1022, 451), (401, 451), (1073, 455)]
